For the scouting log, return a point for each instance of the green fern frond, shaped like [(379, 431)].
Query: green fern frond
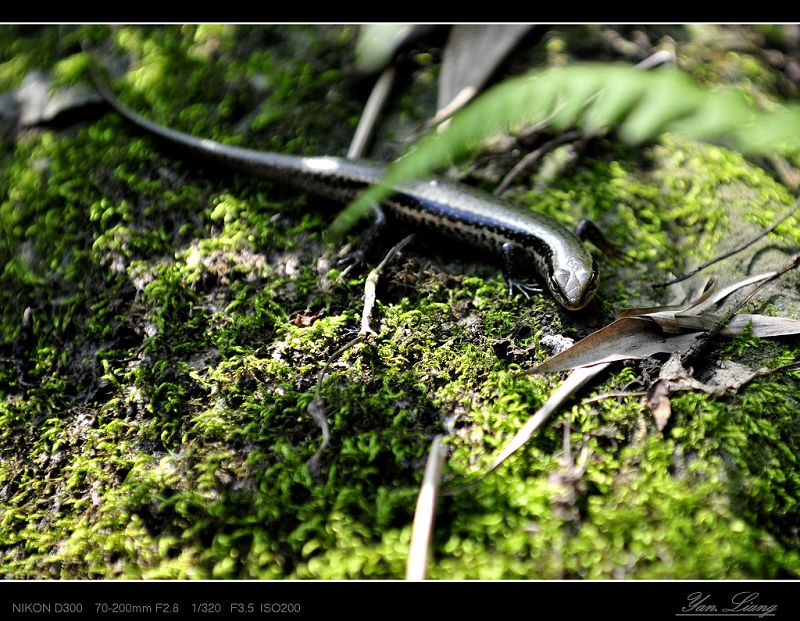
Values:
[(594, 97)]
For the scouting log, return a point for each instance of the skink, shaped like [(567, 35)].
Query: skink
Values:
[(523, 239)]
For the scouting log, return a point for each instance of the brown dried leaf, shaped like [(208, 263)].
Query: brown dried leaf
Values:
[(688, 316), (568, 387), (712, 296), (726, 378), (704, 293), (623, 339), (761, 325)]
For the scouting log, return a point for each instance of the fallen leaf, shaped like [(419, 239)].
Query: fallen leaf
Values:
[(687, 316), (568, 387), (672, 374), (726, 378), (641, 336), (624, 339), (694, 316), (761, 325)]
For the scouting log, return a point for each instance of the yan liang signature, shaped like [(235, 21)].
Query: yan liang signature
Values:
[(743, 604)]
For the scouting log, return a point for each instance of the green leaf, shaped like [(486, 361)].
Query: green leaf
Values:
[(722, 114), (621, 92), (771, 132), (642, 104), (672, 95)]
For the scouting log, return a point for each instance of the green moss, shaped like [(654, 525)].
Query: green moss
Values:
[(165, 432)]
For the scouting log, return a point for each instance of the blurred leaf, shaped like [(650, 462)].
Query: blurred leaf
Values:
[(472, 54), (670, 97), (377, 43), (574, 97), (722, 114), (618, 97), (642, 104), (32, 103), (776, 132)]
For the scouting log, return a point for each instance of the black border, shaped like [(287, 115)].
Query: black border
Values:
[(339, 12), (651, 600)]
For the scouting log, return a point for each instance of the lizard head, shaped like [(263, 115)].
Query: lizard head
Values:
[(574, 284)]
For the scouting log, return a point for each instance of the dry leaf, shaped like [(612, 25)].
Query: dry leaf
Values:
[(623, 339), (658, 396), (694, 316), (568, 387), (761, 325), (636, 337), (726, 378), (687, 316)]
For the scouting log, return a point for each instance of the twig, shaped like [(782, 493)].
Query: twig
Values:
[(703, 266), (421, 531), (534, 156), (372, 283), (661, 57), (316, 408), (616, 394), (372, 109)]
